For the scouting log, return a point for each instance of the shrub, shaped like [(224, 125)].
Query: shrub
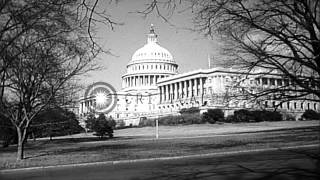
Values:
[(121, 124), (190, 110), (272, 116), (242, 115), (259, 116), (194, 118), (101, 125), (8, 134), (171, 120), (229, 119), (311, 115), (288, 117), (54, 121), (213, 115), (146, 122)]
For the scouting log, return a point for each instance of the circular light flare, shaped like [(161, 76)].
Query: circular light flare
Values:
[(101, 98)]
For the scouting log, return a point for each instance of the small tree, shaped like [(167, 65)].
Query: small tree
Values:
[(101, 125)]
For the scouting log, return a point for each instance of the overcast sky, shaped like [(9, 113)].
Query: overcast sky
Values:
[(189, 49)]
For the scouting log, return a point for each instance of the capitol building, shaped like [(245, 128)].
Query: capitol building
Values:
[(152, 87)]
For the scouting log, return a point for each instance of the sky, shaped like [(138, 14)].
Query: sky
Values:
[(190, 49)]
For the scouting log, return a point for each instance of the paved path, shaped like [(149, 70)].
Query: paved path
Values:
[(211, 167)]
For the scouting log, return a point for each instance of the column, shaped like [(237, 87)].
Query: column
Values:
[(128, 82), (141, 80), (190, 88), (171, 92), (196, 86), (260, 81), (81, 108), (180, 89), (160, 88), (201, 86), (149, 80), (167, 93), (185, 88), (221, 83), (175, 91)]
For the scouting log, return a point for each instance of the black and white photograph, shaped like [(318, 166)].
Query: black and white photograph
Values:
[(159, 89)]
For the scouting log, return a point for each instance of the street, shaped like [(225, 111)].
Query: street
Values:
[(239, 166)]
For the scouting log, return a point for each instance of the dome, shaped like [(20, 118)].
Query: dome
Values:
[(152, 51), (147, 65)]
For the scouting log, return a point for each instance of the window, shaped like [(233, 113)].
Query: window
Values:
[(279, 82), (272, 82), (302, 105), (264, 81), (286, 82), (315, 106)]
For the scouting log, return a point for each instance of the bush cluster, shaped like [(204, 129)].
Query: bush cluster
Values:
[(311, 115), (213, 115), (192, 116), (191, 110), (244, 115), (188, 116)]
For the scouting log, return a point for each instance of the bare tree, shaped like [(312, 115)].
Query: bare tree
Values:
[(44, 45), (281, 37)]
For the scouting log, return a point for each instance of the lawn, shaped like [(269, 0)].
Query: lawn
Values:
[(136, 143)]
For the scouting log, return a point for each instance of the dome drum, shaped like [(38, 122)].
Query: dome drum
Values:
[(149, 64)]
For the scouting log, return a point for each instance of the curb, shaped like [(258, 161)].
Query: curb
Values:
[(158, 159)]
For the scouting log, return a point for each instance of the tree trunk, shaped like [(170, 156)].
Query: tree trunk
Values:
[(20, 152)]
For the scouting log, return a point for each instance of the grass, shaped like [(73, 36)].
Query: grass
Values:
[(135, 143)]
